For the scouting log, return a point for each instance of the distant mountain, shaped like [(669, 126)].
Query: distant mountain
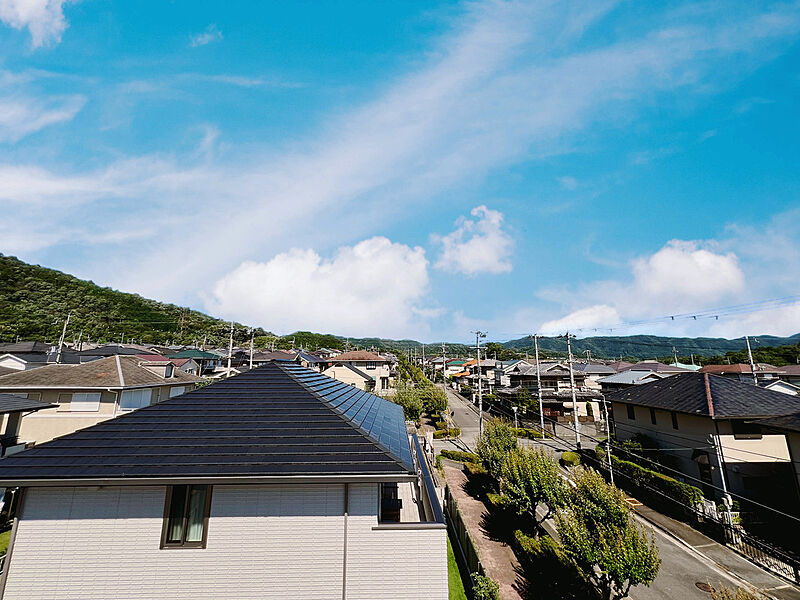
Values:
[(649, 346)]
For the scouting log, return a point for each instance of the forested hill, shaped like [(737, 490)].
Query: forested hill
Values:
[(652, 346), (34, 301)]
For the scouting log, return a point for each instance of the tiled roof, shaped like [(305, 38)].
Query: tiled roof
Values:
[(785, 423), (15, 347), (709, 395), (593, 369), (633, 377), (102, 373), (791, 369), (194, 353), (277, 420), (658, 367), (739, 368), (115, 349), (12, 404), (621, 365)]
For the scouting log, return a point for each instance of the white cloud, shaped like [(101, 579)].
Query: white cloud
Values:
[(211, 34), (21, 116), (568, 183), (476, 246), (373, 286), (593, 316), (43, 18)]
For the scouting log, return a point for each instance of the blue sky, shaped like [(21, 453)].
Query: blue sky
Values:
[(411, 169)]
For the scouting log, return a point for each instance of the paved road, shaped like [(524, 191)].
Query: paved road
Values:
[(683, 563)]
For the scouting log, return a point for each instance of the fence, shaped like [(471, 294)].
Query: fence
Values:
[(463, 546)]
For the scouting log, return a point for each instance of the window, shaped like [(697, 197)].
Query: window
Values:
[(186, 512), (390, 504), (176, 391), (133, 399), (85, 402), (745, 431), (674, 416), (168, 371), (631, 414), (371, 365), (653, 416)]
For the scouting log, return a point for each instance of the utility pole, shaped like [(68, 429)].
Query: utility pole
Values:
[(572, 388), (539, 382), (252, 335), (230, 351), (588, 354), (752, 364), (478, 336), (444, 368), (61, 339), (608, 441), (675, 355), (80, 341)]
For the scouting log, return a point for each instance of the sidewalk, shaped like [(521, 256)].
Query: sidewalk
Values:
[(497, 558)]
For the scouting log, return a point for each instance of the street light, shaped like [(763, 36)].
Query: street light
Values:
[(514, 408)]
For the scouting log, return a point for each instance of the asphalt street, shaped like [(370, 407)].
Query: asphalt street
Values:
[(683, 565)]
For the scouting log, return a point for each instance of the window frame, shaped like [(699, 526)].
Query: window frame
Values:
[(653, 416), (135, 391), (182, 388), (631, 409), (183, 544), (674, 420), (85, 394)]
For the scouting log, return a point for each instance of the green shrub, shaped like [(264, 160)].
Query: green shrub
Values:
[(529, 434), (480, 481), (570, 459), (460, 456), (497, 501), (443, 433), (683, 493), (497, 440), (484, 588), (441, 425), (475, 469)]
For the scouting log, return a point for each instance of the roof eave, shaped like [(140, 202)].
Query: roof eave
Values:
[(224, 480)]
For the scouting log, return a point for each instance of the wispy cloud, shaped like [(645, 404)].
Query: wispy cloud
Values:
[(211, 34), (507, 84), (43, 18)]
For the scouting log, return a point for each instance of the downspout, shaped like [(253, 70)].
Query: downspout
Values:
[(12, 539), (344, 545)]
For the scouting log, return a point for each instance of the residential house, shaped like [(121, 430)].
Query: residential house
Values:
[(88, 393), (704, 422), (620, 365), (278, 483), (504, 367), (374, 365), (592, 373), (13, 408), (791, 373), (115, 350), (350, 375), (657, 367), (327, 353), (208, 361), (625, 379), (779, 385), (22, 356), (788, 426), (744, 373), (187, 365)]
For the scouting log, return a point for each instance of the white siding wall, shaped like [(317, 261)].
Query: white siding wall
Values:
[(391, 563), (263, 542)]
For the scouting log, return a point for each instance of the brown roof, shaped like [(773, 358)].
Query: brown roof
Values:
[(740, 368), (791, 369), (360, 355), (101, 373)]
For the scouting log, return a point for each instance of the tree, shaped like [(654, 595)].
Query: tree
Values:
[(408, 397), (600, 536), (433, 398), (497, 441), (526, 400), (484, 588), (531, 478)]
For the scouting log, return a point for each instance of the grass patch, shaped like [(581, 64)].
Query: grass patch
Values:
[(455, 585), (5, 537)]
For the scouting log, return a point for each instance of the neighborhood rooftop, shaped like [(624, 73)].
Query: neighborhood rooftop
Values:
[(708, 395), (110, 372), (275, 421)]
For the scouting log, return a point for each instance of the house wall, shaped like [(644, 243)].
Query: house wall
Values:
[(265, 541), (345, 375), (44, 425), (751, 473)]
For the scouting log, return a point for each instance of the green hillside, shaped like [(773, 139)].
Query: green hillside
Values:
[(652, 346), (34, 301)]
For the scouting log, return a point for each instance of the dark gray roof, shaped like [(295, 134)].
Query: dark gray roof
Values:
[(277, 420), (15, 347), (593, 369), (12, 404), (113, 349), (785, 423), (709, 395)]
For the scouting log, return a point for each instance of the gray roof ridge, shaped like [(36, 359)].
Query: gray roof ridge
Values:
[(347, 420)]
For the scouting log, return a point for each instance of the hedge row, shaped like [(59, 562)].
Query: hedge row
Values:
[(443, 433), (529, 434), (570, 459), (683, 493), (460, 456)]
